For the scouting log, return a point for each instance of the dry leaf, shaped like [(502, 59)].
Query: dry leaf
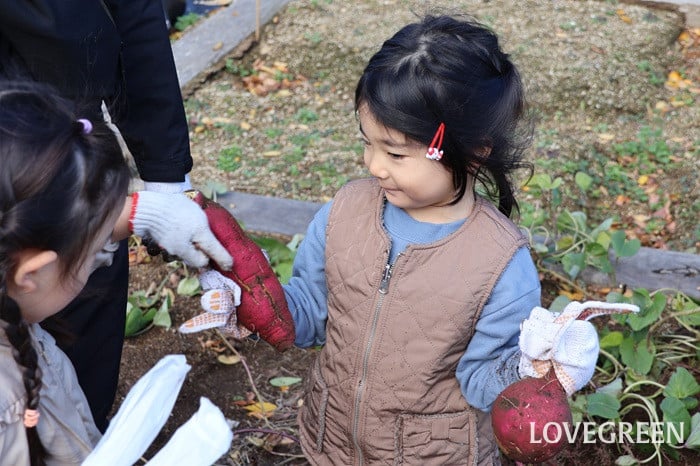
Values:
[(229, 359), (260, 410), (623, 16), (572, 295)]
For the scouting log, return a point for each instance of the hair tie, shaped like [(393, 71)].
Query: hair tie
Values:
[(434, 152), (87, 125), (31, 418)]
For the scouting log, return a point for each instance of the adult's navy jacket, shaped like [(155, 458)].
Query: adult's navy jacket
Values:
[(112, 50)]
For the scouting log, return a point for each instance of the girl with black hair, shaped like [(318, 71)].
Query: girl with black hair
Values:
[(415, 281), (63, 197)]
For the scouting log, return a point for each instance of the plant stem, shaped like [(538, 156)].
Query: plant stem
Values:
[(261, 400)]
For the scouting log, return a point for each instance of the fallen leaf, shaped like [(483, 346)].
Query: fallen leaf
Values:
[(229, 359), (606, 137), (572, 295), (218, 46), (260, 410), (623, 16)]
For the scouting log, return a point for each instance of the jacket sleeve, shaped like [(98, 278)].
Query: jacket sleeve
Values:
[(306, 291), (150, 114), (490, 362)]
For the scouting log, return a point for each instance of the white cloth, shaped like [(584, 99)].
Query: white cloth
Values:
[(142, 414), (180, 227), (566, 342), (200, 441)]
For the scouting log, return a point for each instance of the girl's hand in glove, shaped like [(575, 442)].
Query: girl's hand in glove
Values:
[(178, 225), (219, 302), (566, 341)]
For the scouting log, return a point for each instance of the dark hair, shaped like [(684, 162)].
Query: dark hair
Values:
[(58, 187), (442, 69)]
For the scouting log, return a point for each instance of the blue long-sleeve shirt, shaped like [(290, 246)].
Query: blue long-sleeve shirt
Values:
[(490, 361)]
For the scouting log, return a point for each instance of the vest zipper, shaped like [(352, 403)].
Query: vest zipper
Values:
[(383, 288)]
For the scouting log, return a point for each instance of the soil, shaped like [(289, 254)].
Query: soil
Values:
[(587, 64)]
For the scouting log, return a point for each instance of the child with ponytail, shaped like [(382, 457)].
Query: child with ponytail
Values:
[(63, 182), (63, 203)]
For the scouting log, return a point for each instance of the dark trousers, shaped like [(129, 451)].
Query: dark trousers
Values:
[(94, 323)]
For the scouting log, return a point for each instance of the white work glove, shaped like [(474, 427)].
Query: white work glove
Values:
[(179, 226), (566, 342), (168, 188), (222, 296)]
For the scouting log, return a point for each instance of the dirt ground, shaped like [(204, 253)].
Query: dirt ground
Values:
[(551, 41)]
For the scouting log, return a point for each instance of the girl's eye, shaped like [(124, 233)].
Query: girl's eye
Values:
[(396, 156)]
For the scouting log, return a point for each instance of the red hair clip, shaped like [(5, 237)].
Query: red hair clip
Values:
[(434, 151)]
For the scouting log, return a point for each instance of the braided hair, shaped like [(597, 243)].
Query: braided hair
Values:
[(59, 184), (453, 71)]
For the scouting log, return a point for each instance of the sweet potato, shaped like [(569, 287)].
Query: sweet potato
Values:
[(529, 416), (524, 417), (263, 309)]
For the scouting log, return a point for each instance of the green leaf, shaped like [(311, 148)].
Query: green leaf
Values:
[(134, 320), (676, 414), (284, 271), (623, 247), (638, 356), (559, 303), (188, 286), (612, 339), (603, 405), (693, 440), (626, 460), (681, 384), (140, 299), (137, 319), (603, 229), (614, 388), (578, 407), (284, 381), (648, 314), (583, 180), (573, 263), (565, 242), (162, 317)]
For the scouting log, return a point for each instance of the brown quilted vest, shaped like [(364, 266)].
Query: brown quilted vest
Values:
[(383, 389)]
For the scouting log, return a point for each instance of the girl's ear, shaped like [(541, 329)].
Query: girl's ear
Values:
[(29, 263)]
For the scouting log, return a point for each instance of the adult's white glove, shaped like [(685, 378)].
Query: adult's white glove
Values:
[(222, 296), (179, 226), (168, 187), (566, 342)]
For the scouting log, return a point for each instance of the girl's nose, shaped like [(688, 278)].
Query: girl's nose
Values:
[(374, 164)]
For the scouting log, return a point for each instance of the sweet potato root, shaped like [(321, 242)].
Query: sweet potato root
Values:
[(524, 417), (263, 309)]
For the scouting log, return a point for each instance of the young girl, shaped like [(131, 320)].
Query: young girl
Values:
[(63, 185), (415, 284), (63, 182)]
